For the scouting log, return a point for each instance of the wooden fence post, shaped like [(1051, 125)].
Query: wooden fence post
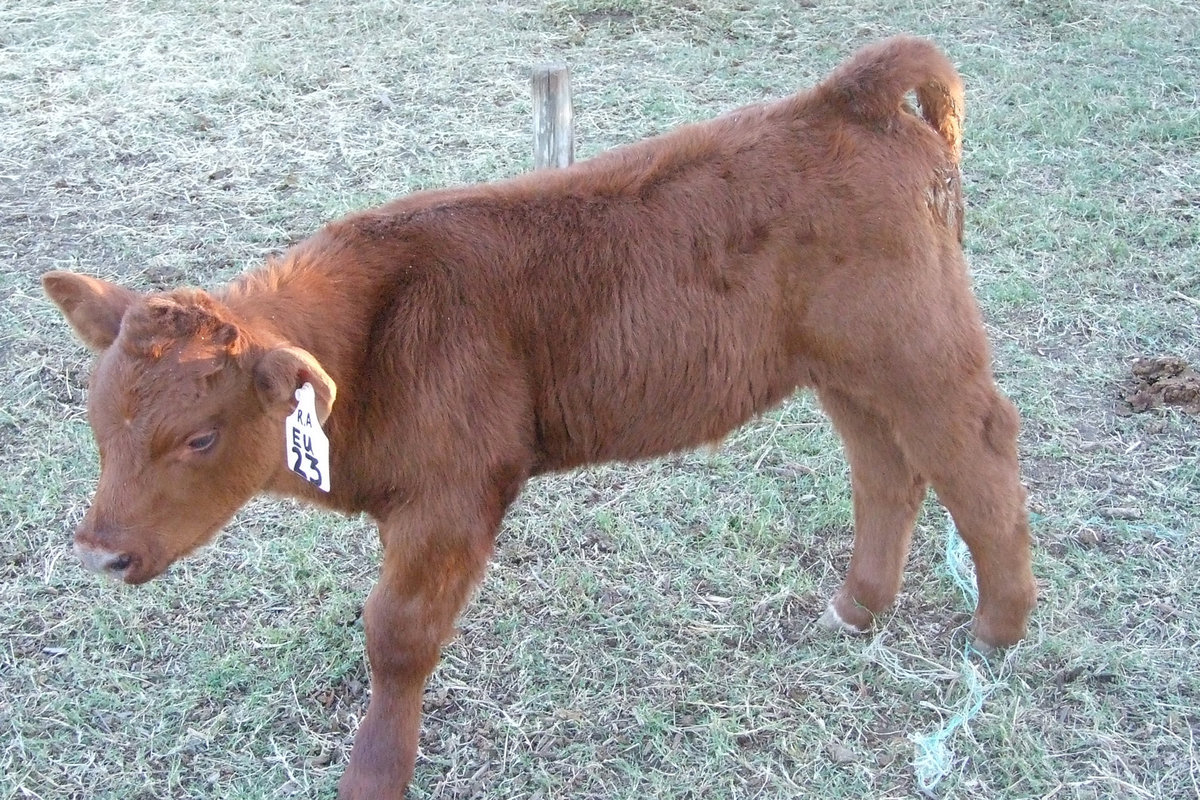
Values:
[(553, 128)]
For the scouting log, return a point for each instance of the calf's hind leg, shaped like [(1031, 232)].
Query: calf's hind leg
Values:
[(887, 493), (965, 442)]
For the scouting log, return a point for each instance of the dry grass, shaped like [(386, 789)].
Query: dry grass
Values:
[(645, 630)]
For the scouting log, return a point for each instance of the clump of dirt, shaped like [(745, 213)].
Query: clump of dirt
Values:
[(1161, 381)]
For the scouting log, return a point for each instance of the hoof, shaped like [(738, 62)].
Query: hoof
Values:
[(988, 639), (983, 648), (831, 620)]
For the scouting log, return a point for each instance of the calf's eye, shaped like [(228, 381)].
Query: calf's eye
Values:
[(202, 442)]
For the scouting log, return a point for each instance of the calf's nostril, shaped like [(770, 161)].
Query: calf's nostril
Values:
[(120, 563)]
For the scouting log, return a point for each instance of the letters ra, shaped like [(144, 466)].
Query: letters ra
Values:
[(302, 417)]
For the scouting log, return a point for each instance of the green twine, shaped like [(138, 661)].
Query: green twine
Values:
[(932, 758), (959, 565)]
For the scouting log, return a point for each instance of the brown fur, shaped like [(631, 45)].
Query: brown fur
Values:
[(646, 301)]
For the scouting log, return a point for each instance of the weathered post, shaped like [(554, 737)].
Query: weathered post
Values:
[(553, 128)]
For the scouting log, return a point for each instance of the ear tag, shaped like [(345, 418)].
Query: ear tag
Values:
[(305, 443)]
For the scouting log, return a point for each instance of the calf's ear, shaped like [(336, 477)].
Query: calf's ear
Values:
[(282, 370), (92, 306)]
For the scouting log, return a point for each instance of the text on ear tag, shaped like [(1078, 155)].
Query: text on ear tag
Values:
[(305, 443)]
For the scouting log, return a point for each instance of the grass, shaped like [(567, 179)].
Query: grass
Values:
[(644, 630)]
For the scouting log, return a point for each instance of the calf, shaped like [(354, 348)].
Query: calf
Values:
[(646, 301)]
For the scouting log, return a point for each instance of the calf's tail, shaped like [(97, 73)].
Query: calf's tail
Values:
[(870, 87)]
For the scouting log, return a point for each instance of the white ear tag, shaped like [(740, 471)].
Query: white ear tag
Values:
[(305, 443)]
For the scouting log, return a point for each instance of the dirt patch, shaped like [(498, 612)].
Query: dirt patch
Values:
[(1160, 381)]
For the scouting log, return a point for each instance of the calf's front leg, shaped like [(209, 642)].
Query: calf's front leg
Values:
[(429, 569)]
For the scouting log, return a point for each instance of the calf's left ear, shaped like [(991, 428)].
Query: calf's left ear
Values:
[(282, 370), (92, 306)]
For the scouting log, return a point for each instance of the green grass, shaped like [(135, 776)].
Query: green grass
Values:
[(645, 630)]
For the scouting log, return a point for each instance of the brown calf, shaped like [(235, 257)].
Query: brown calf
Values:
[(649, 300)]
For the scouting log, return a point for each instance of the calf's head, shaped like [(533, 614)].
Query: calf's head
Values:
[(187, 405)]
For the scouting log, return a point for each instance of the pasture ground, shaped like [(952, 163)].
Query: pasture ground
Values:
[(645, 630)]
